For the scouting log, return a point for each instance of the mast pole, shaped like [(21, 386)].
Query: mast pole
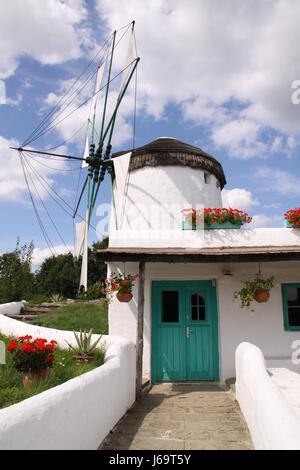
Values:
[(98, 154)]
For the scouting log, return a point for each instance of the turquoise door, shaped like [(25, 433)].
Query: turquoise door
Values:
[(184, 331)]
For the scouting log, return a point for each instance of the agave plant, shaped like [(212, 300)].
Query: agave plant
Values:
[(84, 347), (56, 298)]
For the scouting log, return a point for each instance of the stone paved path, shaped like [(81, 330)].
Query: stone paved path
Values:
[(181, 417)]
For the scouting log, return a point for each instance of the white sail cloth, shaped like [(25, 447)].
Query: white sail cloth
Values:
[(81, 249), (93, 109), (121, 166), (80, 233), (129, 59)]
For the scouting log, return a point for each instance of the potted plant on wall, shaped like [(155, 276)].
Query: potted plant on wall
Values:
[(292, 218), (121, 285), (225, 218), (33, 357), (257, 289), (214, 218)]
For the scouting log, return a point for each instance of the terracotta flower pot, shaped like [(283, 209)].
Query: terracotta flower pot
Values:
[(86, 358), (124, 296), (35, 376), (262, 295)]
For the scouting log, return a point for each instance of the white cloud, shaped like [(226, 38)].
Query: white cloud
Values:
[(262, 220), (48, 31), (2, 92), (229, 64), (238, 198), (279, 181), (12, 182), (69, 122), (40, 254), (240, 136)]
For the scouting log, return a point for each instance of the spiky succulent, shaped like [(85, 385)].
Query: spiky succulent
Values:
[(84, 347)]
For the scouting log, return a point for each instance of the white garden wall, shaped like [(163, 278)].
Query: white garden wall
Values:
[(79, 413), (272, 421), (12, 307)]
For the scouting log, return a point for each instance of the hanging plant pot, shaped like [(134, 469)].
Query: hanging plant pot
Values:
[(124, 296), (262, 295), (36, 376)]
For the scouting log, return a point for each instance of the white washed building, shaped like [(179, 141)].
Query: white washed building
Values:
[(192, 326)]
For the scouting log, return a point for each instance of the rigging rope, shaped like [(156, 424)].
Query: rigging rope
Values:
[(40, 130), (52, 111), (48, 241), (84, 102), (57, 195), (44, 206)]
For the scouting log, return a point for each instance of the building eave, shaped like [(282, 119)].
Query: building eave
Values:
[(201, 255)]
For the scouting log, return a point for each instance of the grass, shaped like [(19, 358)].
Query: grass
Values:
[(74, 317), (11, 386)]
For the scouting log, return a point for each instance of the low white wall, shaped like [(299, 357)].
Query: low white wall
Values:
[(272, 421), (79, 413), (12, 307)]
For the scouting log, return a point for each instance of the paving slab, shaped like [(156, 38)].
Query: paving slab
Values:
[(182, 416)]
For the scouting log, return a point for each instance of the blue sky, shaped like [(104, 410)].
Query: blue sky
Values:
[(214, 74)]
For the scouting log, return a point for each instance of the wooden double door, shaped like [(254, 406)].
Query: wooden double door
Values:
[(184, 331)]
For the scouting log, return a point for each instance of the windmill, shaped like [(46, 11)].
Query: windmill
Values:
[(96, 160)]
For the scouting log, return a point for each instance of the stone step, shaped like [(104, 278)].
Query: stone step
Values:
[(35, 310), (25, 318)]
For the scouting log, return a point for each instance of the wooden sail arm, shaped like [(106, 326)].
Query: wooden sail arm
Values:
[(42, 152)]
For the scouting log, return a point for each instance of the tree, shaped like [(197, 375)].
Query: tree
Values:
[(16, 278), (96, 270), (61, 274)]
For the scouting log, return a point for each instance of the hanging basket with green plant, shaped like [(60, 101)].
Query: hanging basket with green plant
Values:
[(257, 289), (121, 285)]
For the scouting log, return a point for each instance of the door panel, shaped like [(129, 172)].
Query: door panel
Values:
[(172, 353), (199, 354), (184, 331), (199, 340), (170, 348)]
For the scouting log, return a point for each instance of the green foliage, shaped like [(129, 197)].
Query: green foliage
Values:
[(247, 293), (37, 299), (57, 276), (12, 390), (96, 291), (16, 278), (60, 274), (56, 298), (85, 346), (72, 317)]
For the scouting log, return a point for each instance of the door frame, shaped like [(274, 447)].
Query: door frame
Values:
[(171, 283)]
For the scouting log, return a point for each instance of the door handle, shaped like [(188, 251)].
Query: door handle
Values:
[(188, 331)]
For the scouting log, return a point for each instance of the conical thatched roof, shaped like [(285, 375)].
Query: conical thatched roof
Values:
[(166, 151)]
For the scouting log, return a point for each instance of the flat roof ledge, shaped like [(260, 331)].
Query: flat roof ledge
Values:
[(201, 255), (193, 239)]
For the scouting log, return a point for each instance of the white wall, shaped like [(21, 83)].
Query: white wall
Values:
[(272, 421), (265, 327), (156, 196), (246, 236), (77, 414), (12, 307)]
